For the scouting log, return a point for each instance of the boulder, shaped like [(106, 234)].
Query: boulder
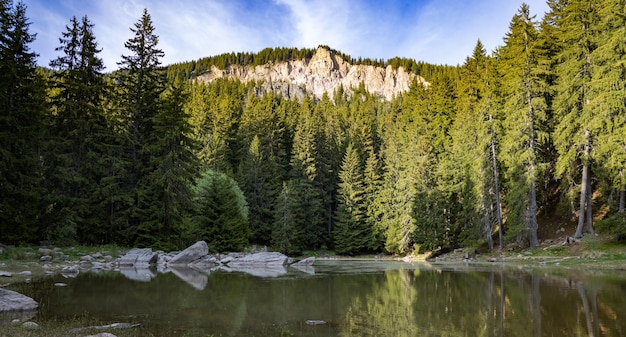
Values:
[(139, 257), (70, 271), (263, 258), (309, 261), (194, 252), (13, 301), (30, 326), (205, 263)]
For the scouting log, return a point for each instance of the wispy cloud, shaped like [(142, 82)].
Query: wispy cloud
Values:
[(436, 31)]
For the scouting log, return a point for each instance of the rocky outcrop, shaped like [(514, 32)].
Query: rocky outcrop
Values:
[(325, 72), (13, 301)]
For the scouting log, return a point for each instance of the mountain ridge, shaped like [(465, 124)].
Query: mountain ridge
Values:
[(323, 73)]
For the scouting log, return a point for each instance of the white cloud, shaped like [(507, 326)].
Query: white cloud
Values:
[(436, 31)]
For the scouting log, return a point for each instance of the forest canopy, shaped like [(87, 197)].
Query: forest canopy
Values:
[(146, 156)]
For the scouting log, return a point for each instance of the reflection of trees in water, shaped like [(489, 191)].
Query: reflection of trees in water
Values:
[(492, 303), (386, 310)]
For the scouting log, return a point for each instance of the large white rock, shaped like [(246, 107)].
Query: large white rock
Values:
[(139, 257), (193, 253), (13, 301), (262, 258)]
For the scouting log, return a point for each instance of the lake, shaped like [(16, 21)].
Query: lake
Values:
[(345, 298)]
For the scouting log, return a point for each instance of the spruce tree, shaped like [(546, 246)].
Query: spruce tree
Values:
[(577, 123), (288, 231), (351, 234), (469, 168), (524, 86), (608, 91), (22, 121), (141, 82), (76, 155), (165, 194), (221, 213)]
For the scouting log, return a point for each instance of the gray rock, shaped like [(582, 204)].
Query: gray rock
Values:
[(191, 254), (13, 301), (96, 255), (45, 250), (86, 258), (70, 271), (60, 284), (206, 263), (139, 257), (309, 261), (25, 273), (102, 334), (5, 274), (45, 258), (30, 326), (263, 258)]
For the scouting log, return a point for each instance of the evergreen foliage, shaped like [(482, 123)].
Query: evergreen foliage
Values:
[(22, 127), (76, 155), (94, 158), (351, 233), (221, 215)]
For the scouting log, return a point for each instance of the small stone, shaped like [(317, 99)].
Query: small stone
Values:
[(96, 255), (30, 326), (5, 274), (86, 258), (69, 270), (59, 284), (45, 258), (45, 250)]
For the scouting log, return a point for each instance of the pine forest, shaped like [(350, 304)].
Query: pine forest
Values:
[(480, 154)]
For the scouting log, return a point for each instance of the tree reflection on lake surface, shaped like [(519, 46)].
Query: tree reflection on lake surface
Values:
[(352, 298)]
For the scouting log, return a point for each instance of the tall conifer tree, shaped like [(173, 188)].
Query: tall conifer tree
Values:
[(524, 87), (76, 155), (141, 80), (609, 90), (577, 123), (22, 111)]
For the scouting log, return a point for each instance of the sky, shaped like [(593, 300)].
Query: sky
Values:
[(433, 31)]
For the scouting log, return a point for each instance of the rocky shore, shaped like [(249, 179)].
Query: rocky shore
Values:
[(192, 265)]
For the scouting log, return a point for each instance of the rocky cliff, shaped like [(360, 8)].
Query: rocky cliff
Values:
[(324, 72)]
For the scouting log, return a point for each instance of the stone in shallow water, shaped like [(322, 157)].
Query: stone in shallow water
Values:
[(139, 257), (269, 258), (14, 301), (193, 253)]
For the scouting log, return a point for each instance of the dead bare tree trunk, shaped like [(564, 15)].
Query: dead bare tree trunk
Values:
[(496, 185)]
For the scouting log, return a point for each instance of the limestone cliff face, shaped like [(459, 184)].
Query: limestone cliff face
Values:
[(324, 72)]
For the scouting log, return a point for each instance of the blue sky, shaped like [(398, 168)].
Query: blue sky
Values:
[(434, 31)]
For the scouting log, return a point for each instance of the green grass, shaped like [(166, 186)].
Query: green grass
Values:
[(31, 253)]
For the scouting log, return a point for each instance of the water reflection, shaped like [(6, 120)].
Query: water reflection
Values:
[(354, 298)]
